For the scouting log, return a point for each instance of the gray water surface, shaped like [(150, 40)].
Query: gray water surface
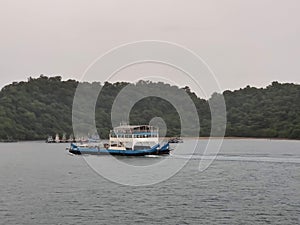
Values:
[(250, 182)]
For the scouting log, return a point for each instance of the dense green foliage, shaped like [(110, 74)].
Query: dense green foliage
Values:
[(270, 112), (32, 110), (40, 107)]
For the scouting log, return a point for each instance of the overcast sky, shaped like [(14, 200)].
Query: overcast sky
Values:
[(243, 41)]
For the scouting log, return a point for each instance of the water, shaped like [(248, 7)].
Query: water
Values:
[(250, 182)]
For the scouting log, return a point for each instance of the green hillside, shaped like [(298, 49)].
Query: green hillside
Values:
[(40, 107)]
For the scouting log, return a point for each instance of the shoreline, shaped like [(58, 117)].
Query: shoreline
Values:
[(186, 138), (238, 138)]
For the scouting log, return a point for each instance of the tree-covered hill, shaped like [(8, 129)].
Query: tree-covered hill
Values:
[(43, 106), (273, 111), (32, 110)]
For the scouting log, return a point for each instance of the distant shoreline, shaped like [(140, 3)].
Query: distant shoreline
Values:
[(200, 138), (238, 138), (186, 138)]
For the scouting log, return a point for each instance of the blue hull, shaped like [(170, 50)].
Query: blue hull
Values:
[(155, 150)]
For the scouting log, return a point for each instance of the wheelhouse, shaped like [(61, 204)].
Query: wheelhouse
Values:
[(136, 137)]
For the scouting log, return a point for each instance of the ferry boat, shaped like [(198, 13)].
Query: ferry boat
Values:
[(126, 140)]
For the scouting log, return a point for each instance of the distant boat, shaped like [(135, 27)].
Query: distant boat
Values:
[(57, 138), (64, 139), (175, 140), (126, 140), (71, 139), (50, 140)]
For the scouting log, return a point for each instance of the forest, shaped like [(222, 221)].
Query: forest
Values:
[(40, 107)]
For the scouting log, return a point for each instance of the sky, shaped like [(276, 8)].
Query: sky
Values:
[(250, 42)]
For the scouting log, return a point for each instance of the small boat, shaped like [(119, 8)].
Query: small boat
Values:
[(126, 140), (64, 138), (50, 140), (176, 140), (71, 139), (57, 140)]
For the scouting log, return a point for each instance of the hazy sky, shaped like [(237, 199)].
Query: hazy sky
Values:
[(243, 41)]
